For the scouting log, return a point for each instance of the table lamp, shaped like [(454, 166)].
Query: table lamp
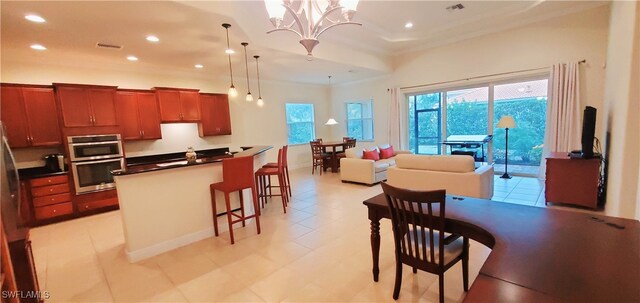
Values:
[(506, 122)]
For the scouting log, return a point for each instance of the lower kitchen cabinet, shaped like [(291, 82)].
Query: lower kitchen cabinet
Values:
[(50, 197)]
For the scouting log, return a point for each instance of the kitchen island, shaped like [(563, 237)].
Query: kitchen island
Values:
[(166, 205)]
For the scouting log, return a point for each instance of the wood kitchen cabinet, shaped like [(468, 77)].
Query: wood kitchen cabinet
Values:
[(178, 105), (29, 115), (87, 105), (215, 116), (138, 114)]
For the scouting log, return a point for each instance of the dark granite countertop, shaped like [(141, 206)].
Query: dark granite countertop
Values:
[(177, 160), (38, 172)]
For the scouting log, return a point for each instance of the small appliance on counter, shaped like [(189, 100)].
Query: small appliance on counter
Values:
[(54, 162)]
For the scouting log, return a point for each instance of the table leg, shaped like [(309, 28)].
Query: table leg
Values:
[(334, 163), (375, 247)]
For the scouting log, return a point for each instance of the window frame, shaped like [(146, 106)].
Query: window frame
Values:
[(312, 122), (361, 119)]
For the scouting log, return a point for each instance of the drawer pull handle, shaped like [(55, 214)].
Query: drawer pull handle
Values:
[(51, 189), (55, 210), (86, 206), (49, 180)]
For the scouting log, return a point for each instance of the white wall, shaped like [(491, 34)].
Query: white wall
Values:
[(251, 125), (623, 110), (574, 37)]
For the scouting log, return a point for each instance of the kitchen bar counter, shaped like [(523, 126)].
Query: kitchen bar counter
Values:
[(168, 205), (176, 160)]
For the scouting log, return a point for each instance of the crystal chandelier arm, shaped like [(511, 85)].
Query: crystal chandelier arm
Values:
[(285, 29), (336, 24)]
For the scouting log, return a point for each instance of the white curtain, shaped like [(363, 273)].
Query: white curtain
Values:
[(395, 121), (563, 111)]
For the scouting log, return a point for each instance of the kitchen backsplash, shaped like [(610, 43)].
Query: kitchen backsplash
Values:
[(33, 157)]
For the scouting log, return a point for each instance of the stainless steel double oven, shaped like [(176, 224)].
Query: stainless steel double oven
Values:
[(92, 160)]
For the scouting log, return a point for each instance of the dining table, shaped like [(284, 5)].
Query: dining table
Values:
[(331, 148)]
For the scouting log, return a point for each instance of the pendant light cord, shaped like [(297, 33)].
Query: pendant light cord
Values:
[(246, 64), (229, 55), (258, 73)]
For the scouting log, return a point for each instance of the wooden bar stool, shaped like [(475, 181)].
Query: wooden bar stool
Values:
[(266, 172), (237, 174), (287, 181)]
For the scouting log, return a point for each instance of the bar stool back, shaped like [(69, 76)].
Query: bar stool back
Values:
[(237, 174), (285, 162), (266, 172)]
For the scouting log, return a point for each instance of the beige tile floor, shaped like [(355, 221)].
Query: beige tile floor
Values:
[(318, 252)]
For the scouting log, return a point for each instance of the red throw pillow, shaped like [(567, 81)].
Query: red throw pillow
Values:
[(371, 155), (386, 153)]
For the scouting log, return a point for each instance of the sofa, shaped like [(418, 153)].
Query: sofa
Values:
[(456, 174), (353, 168)]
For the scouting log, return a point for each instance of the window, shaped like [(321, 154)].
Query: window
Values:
[(300, 122), (360, 120)]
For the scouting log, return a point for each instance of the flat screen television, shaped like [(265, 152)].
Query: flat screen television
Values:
[(588, 131)]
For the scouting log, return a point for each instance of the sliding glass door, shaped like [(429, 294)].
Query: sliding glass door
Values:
[(469, 111), (425, 123)]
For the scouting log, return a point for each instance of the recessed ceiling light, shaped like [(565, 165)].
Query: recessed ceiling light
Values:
[(35, 18), (229, 51), (38, 47), (198, 66), (408, 25), (152, 38), (132, 58)]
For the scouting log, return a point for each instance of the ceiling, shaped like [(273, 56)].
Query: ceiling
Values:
[(190, 33)]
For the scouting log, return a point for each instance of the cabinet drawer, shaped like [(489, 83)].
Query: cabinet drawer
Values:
[(97, 204), (52, 211), (53, 199), (50, 190), (49, 180)]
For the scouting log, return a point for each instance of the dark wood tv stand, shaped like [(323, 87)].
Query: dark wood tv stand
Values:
[(572, 181)]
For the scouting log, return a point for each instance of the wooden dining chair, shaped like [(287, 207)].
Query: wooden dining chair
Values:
[(318, 156), (419, 237), (348, 143)]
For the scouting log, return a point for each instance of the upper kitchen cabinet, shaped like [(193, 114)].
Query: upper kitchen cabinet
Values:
[(87, 105), (29, 115), (138, 114), (216, 120), (178, 105)]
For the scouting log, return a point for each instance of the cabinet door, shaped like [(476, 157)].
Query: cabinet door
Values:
[(14, 116), (169, 103), (215, 116), (103, 107), (76, 111), (42, 116), (189, 103), (127, 107), (149, 116)]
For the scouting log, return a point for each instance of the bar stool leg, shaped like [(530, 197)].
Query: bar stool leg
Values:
[(286, 169), (242, 207), (214, 210), (229, 217), (256, 207), (283, 193)]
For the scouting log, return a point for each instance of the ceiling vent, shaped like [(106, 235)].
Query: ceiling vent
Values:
[(455, 7), (108, 46)]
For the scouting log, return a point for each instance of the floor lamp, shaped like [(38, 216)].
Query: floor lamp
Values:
[(506, 122)]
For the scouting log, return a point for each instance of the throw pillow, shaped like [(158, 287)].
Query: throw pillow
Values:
[(386, 153), (371, 155)]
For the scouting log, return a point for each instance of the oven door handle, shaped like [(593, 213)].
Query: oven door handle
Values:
[(99, 161), (94, 143)]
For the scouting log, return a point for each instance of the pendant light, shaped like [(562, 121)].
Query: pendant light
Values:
[(232, 89), (331, 121), (260, 101), (249, 97)]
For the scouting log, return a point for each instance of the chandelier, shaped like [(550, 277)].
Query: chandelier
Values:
[(311, 18)]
